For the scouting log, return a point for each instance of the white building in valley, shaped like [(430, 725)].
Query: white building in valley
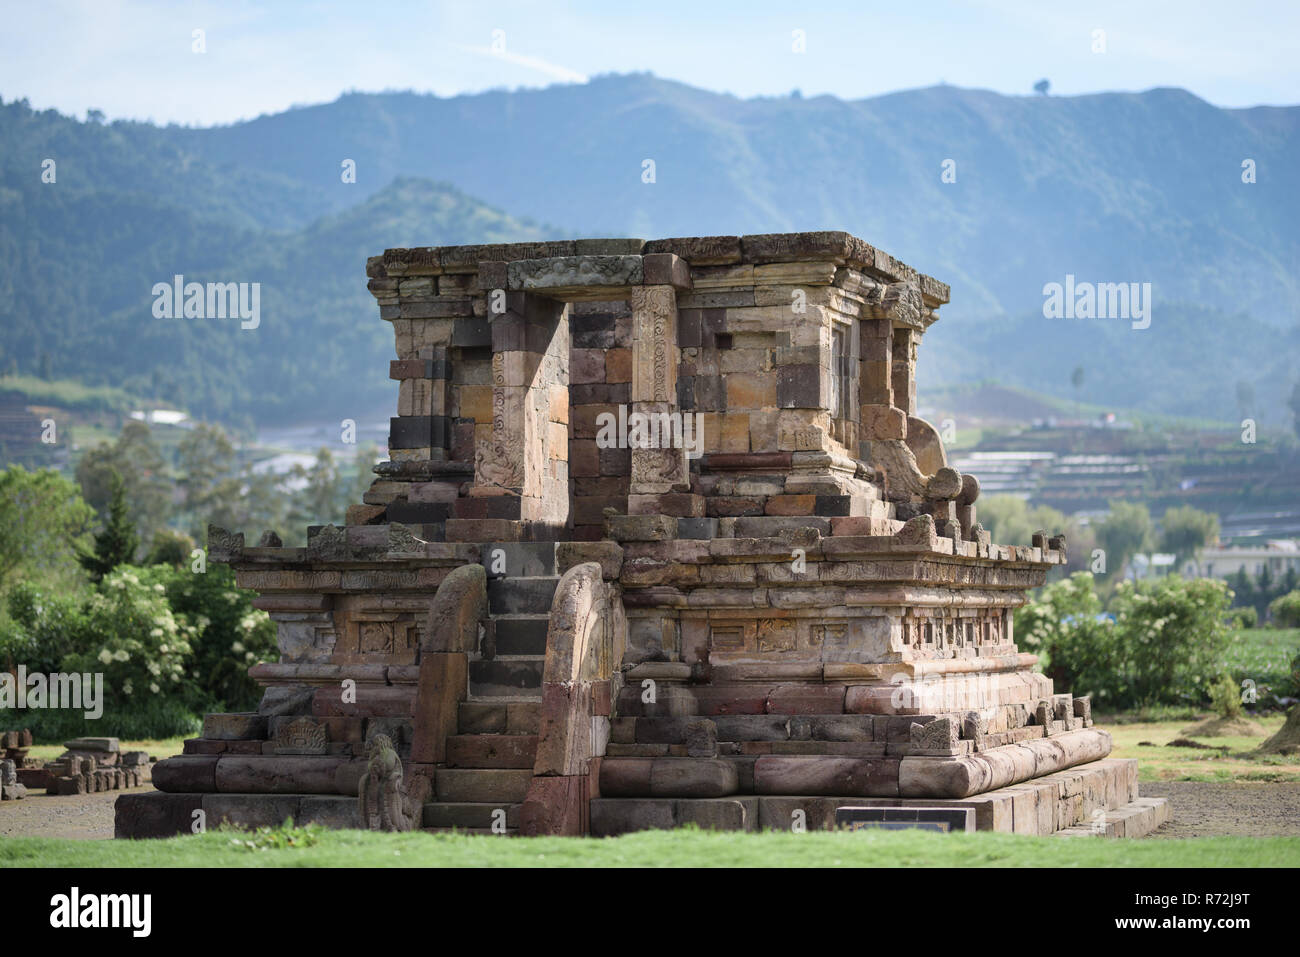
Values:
[(1276, 555)]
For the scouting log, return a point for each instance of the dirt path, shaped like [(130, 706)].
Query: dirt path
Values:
[(85, 817), (1205, 809)]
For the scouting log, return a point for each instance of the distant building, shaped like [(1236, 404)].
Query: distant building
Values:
[(1277, 555), (161, 417), (1155, 565)]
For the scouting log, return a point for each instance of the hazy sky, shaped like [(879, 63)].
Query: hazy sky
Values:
[(135, 59)]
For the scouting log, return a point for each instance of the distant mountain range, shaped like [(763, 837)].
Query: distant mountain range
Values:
[(1108, 188)]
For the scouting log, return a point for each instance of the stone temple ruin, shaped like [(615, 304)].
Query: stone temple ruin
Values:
[(536, 623)]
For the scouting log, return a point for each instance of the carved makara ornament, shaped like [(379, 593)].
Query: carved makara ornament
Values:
[(329, 542), (941, 734), (224, 545)]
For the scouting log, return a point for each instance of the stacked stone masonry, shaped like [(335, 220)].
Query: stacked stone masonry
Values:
[(551, 622)]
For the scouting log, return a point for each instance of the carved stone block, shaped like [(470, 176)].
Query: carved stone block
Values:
[(301, 736)]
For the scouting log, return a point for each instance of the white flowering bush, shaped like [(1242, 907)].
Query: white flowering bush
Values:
[(172, 645), (228, 634), (133, 637)]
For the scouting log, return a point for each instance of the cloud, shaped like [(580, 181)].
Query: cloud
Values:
[(564, 74)]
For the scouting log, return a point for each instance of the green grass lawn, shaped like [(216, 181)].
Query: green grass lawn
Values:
[(1148, 742), (1263, 655), (682, 848)]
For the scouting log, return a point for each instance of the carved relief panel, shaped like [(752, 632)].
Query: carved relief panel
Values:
[(378, 630), (862, 639)]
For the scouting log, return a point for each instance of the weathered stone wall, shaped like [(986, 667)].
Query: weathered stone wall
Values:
[(787, 343), (600, 381)]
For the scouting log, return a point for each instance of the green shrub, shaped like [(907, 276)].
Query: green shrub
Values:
[(43, 627), (171, 645), (1225, 697), (1164, 646), (1243, 617), (1065, 628), (169, 547), (1172, 637), (1285, 611)]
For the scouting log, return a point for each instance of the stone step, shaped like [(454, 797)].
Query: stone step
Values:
[(475, 831), (1138, 818), (504, 717), (505, 677), (613, 816), (771, 526), (519, 634), (481, 785), (491, 750), (994, 811), (518, 559), (521, 595), (465, 814)]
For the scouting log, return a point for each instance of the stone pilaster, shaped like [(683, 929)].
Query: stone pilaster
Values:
[(876, 344), (521, 458), (903, 368), (655, 357)]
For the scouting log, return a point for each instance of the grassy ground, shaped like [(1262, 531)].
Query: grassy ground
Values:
[(68, 394), (683, 848), (1262, 654), (159, 749), (1148, 742)]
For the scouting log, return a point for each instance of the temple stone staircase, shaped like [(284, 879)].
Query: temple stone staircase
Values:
[(489, 764)]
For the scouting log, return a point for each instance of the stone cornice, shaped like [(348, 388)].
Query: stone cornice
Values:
[(839, 248)]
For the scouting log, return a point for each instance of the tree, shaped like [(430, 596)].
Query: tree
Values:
[(364, 462), (209, 476), (1076, 377), (137, 460), (1243, 588), (1264, 582), (1125, 532), (1042, 86), (1010, 520), (263, 502), (1291, 580), (318, 503), (116, 544), (170, 548), (1184, 530), (44, 523)]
